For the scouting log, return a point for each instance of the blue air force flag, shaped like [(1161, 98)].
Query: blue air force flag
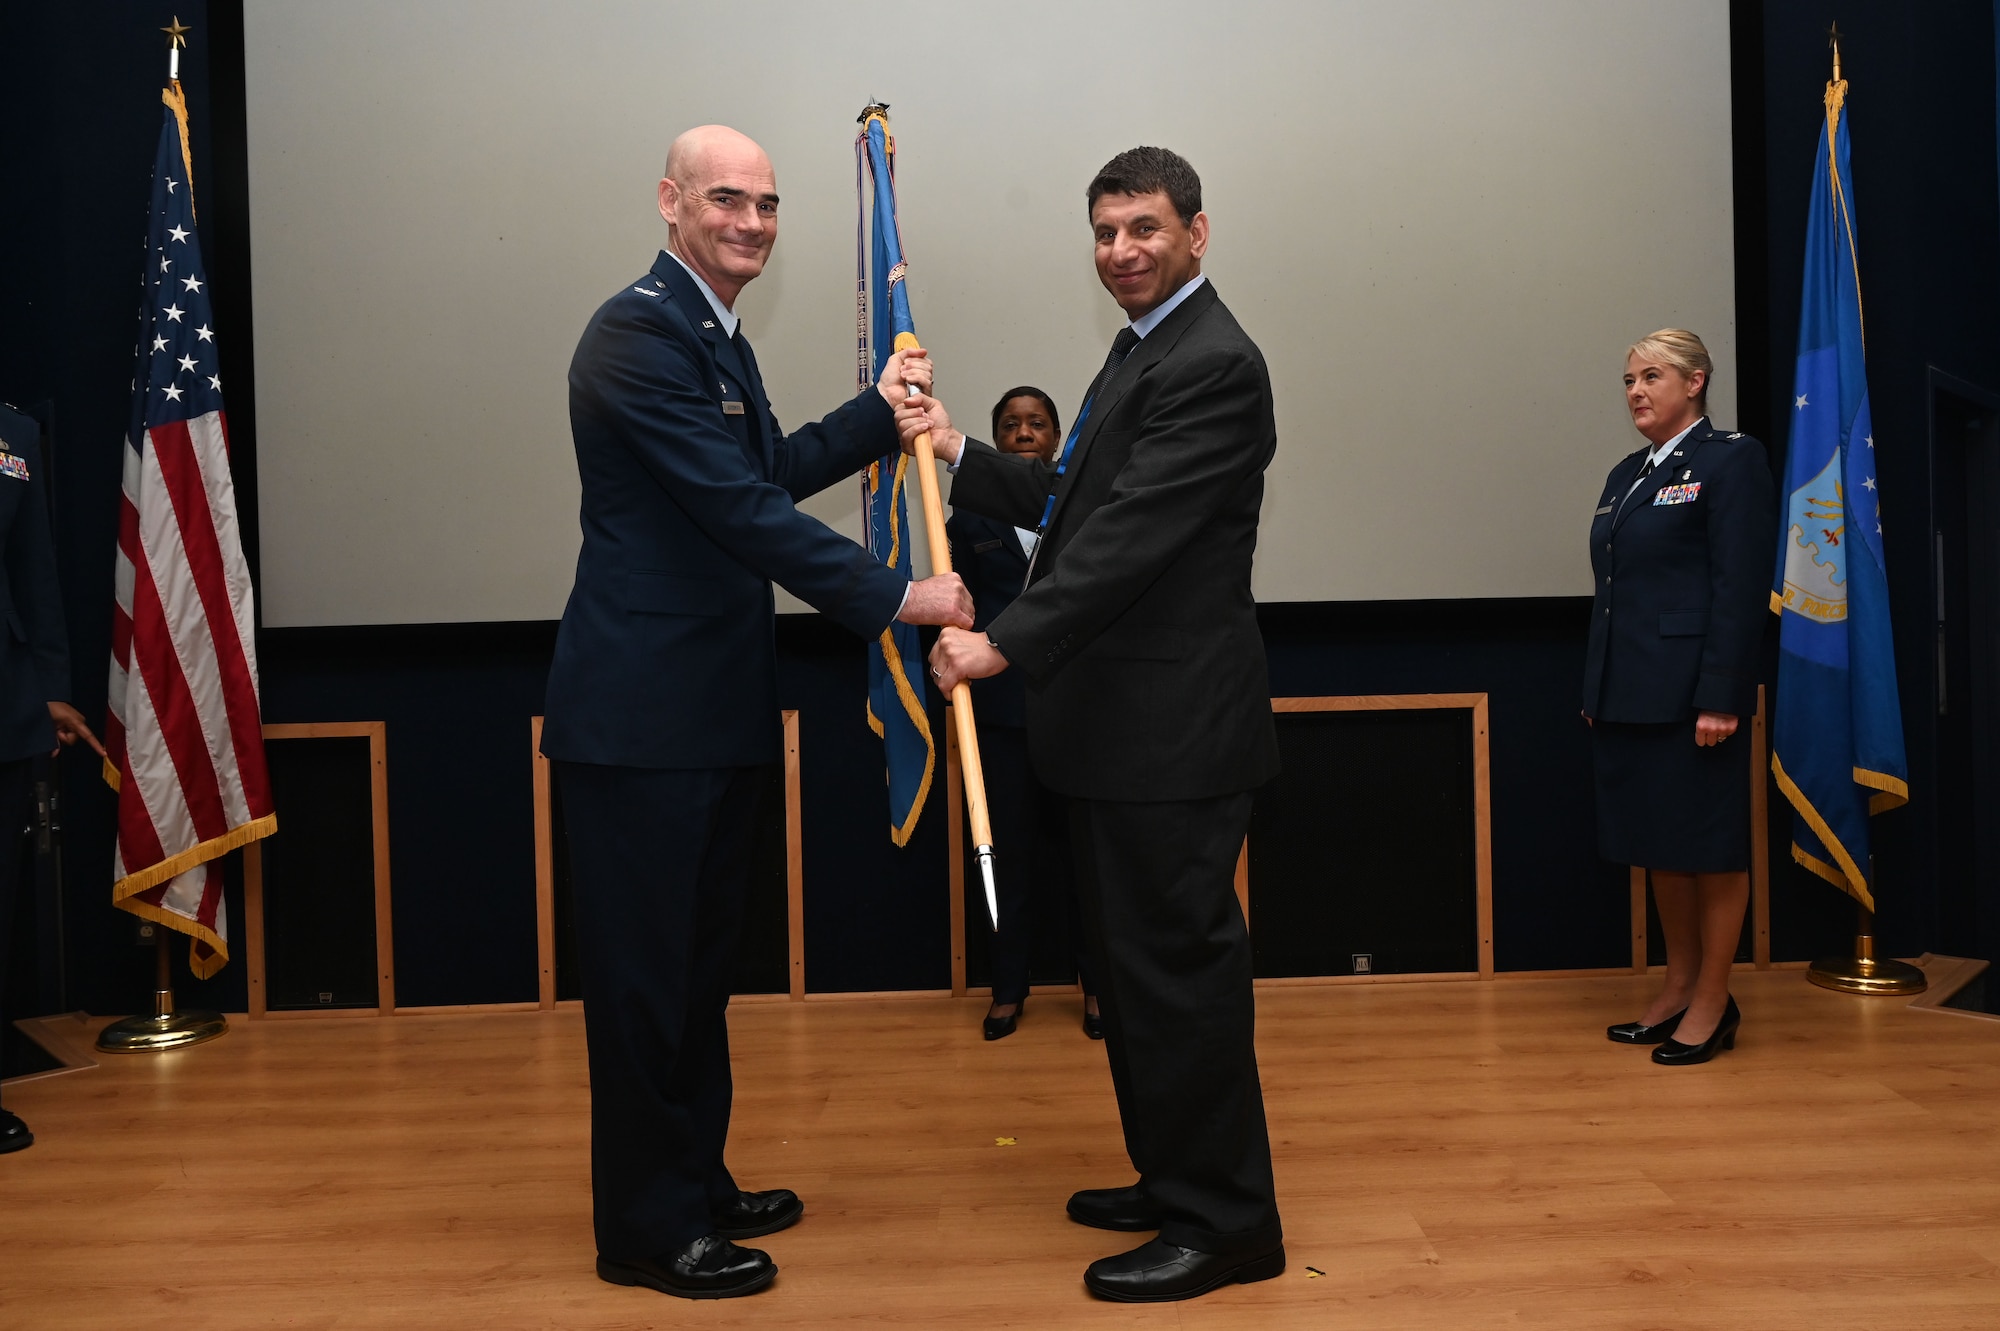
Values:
[(895, 666), (1838, 741)]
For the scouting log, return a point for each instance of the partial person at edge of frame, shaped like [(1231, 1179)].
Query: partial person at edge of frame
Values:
[(35, 713), (1039, 888), (1680, 552)]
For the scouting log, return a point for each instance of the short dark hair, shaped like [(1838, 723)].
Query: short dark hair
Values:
[(1027, 390), (1150, 171)]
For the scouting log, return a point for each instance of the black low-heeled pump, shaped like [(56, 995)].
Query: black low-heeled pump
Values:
[(1674, 1054), (999, 1028), (1635, 1032)]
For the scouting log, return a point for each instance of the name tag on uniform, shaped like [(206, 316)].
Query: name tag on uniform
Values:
[(1677, 494), (13, 464), (731, 407), (983, 546), (1602, 511)]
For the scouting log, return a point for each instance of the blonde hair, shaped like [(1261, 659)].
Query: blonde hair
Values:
[(1682, 350)]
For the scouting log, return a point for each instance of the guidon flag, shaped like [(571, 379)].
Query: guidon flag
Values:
[(896, 706)]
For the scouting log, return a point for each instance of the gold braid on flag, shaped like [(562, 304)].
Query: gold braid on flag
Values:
[(176, 101), (913, 706)]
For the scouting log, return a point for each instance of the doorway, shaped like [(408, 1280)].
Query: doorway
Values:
[(1965, 454)]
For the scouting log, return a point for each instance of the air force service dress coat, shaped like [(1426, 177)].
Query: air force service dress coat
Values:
[(34, 650), (1682, 568), (666, 656), (663, 706)]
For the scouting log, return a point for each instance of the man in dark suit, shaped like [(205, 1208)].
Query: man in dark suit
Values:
[(663, 700), (1149, 707), (35, 713), (1028, 817)]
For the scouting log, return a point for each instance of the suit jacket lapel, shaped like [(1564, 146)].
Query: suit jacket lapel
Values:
[(721, 352), (1152, 349), (1670, 467), (755, 404)]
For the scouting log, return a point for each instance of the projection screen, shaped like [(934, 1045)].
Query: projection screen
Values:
[(1443, 222)]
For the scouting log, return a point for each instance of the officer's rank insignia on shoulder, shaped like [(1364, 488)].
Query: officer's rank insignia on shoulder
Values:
[(1737, 435)]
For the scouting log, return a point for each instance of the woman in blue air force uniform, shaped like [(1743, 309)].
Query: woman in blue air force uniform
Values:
[(1680, 550), (992, 558)]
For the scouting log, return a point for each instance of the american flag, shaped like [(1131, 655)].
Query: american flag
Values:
[(186, 742)]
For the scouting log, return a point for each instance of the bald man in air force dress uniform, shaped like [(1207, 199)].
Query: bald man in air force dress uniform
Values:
[(663, 700)]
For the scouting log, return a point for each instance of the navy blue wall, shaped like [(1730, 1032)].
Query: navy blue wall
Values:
[(457, 698)]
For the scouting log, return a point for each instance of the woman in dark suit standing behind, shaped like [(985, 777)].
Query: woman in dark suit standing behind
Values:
[(992, 558), (1681, 551)]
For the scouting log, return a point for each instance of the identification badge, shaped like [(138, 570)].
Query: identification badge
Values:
[(13, 464), (1602, 511), (731, 407), (1677, 494)]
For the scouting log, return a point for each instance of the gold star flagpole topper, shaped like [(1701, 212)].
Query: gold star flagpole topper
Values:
[(176, 40)]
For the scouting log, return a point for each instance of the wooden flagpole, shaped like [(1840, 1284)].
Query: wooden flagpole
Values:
[(961, 694)]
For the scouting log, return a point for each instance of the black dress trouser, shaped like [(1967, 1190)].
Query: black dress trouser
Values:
[(17, 793), (660, 865), (1157, 884), (1036, 884)]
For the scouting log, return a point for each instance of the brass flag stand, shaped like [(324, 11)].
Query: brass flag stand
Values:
[(1864, 972), (166, 1028)]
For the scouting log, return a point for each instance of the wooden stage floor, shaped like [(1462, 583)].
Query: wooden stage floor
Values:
[(1450, 1155)]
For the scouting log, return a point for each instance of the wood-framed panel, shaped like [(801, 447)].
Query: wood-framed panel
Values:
[(1482, 796), (545, 872), (954, 785), (377, 735), (1476, 703), (545, 875), (795, 863), (1760, 858), (1760, 838)]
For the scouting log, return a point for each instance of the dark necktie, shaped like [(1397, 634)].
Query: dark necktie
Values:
[(1638, 481), (1121, 347)]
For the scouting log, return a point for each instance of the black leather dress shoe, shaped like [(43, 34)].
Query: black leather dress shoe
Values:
[(1633, 1032), (1160, 1272), (999, 1028), (1124, 1209), (1674, 1054), (757, 1213), (14, 1134), (709, 1268), (1093, 1025)]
